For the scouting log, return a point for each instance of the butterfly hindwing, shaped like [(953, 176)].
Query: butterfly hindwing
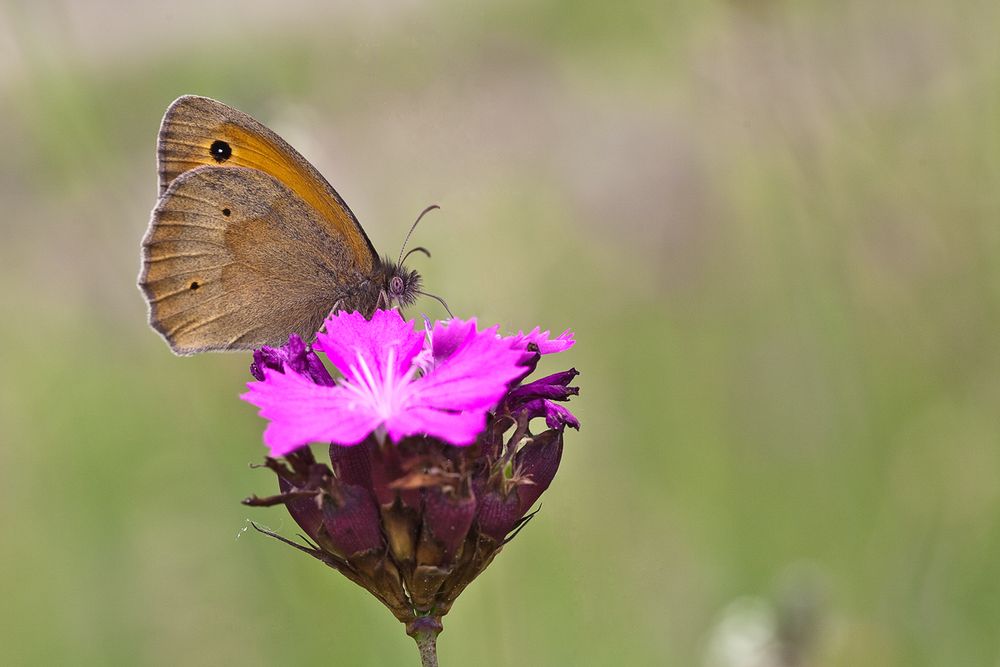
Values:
[(234, 259)]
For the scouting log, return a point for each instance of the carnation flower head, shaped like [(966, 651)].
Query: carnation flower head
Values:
[(433, 463), (463, 374)]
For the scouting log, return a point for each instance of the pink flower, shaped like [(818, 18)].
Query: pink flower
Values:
[(413, 523), (395, 382)]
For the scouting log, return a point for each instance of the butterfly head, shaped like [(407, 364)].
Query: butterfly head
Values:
[(402, 286)]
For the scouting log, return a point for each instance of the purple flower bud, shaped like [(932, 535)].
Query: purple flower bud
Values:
[(353, 465), (537, 462), (294, 355), (352, 521), (384, 468), (448, 518), (306, 513), (556, 416), (554, 387), (267, 357), (498, 513)]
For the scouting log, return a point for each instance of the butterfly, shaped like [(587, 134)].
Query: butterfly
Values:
[(248, 243)]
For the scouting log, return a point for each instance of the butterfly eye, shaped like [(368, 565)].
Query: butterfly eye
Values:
[(220, 150), (396, 285)]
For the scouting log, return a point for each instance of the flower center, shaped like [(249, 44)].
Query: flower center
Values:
[(387, 395)]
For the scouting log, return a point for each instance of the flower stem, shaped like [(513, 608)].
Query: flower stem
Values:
[(427, 643), (425, 630)]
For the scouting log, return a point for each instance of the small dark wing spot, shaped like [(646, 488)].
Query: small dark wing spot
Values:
[(220, 150), (195, 285), (226, 212)]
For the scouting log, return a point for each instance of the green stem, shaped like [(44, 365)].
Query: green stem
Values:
[(427, 643), (424, 630)]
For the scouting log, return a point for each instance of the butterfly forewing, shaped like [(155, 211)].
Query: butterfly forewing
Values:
[(234, 259), (198, 131)]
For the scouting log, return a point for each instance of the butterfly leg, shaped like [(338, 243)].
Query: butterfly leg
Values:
[(382, 296)]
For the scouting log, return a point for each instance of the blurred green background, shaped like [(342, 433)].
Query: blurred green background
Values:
[(773, 225)]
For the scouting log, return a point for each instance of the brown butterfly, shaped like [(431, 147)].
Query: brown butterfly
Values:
[(248, 243)]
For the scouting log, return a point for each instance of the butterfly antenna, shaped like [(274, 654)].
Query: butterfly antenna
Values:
[(439, 300), (415, 223), (419, 248)]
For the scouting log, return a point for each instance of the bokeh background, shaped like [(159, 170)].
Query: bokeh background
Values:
[(773, 225)]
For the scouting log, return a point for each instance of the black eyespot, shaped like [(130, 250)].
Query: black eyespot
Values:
[(220, 150), (226, 212), (195, 285)]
